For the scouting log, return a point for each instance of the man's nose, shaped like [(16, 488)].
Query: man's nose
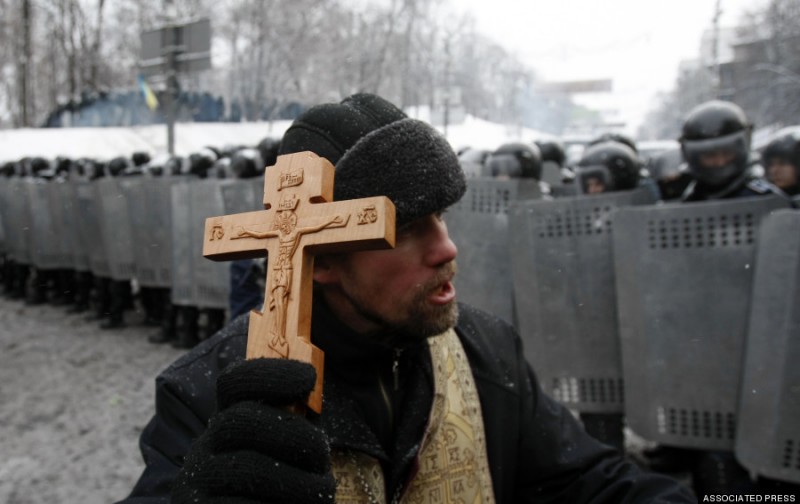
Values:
[(441, 248)]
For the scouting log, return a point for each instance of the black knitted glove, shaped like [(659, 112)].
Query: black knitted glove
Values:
[(254, 450)]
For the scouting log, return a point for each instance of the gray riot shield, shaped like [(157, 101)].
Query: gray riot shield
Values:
[(89, 209), (684, 277), (768, 436), (4, 196), (564, 190), (18, 229), (44, 242), (60, 209), (78, 239), (211, 279), (89, 231), (551, 174), (183, 250), (243, 195), (160, 239), (478, 225), (116, 224), (135, 191), (561, 256)]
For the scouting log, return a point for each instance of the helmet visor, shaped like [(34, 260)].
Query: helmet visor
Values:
[(717, 160), (594, 179)]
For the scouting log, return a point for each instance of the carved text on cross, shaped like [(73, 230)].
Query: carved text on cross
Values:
[(300, 220)]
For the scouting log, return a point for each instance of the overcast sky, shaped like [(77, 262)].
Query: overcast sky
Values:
[(637, 43)]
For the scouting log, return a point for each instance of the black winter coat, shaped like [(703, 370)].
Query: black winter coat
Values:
[(537, 450)]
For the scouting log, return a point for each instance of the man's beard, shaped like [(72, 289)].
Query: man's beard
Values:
[(414, 321)]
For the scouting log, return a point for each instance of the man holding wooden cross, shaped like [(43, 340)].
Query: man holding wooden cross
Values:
[(422, 400)]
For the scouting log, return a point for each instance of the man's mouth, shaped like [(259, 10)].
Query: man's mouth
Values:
[(445, 291)]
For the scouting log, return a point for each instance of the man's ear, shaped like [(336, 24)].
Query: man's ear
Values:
[(326, 271)]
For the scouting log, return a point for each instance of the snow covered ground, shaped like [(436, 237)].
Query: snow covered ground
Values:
[(73, 402)]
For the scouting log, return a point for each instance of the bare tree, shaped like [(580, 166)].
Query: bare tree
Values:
[(763, 76), (268, 54)]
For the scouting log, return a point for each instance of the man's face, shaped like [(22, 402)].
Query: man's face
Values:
[(403, 294), (718, 158), (782, 173), (594, 185)]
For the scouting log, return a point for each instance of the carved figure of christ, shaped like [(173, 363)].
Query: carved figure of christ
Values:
[(300, 220), (288, 235)]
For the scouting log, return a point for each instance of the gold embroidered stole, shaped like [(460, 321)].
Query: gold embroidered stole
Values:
[(453, 465)]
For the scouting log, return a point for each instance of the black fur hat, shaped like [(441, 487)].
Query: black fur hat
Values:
[(379, 151)]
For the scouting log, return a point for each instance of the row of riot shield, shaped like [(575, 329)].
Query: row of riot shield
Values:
[(683, 317), (147, 228)]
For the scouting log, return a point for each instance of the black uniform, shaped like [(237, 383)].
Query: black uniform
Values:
[(744, 186)]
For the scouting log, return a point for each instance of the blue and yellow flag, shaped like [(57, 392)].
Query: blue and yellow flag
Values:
[(149, 95)]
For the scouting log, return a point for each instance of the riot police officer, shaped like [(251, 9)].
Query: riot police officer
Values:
[(669, 171), (608, 166), (781, 160), (7, 170), (120, 291), (554, 158), (716, 145), (515, 160), (41, 281), (552, 151)]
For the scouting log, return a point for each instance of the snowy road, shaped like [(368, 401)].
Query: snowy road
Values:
[(73, 400)]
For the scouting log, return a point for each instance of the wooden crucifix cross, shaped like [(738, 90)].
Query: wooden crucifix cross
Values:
[(300, 220)]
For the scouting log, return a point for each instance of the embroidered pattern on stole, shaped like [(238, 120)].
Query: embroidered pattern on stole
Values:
[(453, 465)]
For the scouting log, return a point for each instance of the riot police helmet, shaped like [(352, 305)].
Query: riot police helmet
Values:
[(222, 169), (617, 160), (553, 151), (9, 169), (244, 163), (157, 166), (63, 166), (140, 158), (781, 160), (93, 169), (174, 166), (38, 165), (715, 142), (202, 161), (669, 171), (117, 166), (268, 150), (515, 160), (615, 137)]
